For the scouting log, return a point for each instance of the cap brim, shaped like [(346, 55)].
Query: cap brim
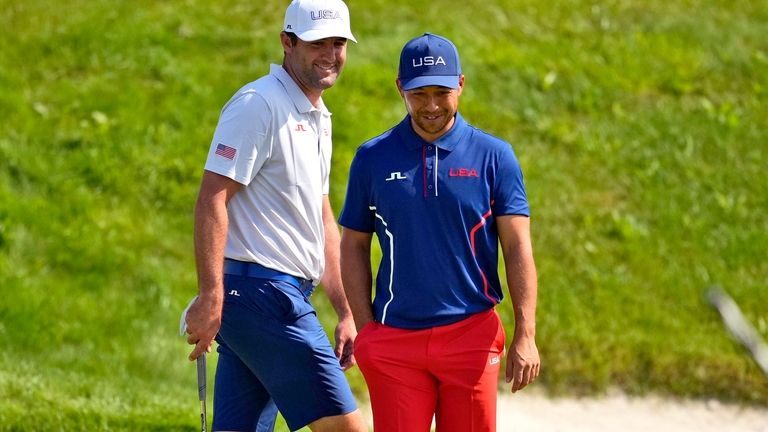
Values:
[(450, 81), (313, 35)]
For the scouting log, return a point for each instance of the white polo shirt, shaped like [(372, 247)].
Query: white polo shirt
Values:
[(274, 141)]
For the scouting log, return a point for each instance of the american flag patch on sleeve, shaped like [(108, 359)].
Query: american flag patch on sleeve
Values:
[(225, 151)]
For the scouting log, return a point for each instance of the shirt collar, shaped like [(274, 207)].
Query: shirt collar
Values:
[(299, 99), (449, 141)]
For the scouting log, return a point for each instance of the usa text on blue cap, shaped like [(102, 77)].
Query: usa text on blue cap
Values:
[(429, 60)]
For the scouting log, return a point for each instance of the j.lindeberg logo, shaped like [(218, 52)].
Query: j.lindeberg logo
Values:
[(397, 175), (324, 14), (428, 61)]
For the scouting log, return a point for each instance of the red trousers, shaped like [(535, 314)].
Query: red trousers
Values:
[(450, 372)]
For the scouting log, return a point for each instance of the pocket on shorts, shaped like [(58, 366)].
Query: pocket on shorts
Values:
[(501, 337), (291, 301), (263, 297)]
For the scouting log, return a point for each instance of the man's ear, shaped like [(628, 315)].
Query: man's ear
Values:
[(399, 87), (286, 42)]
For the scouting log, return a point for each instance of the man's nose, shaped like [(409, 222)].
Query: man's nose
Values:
[(329, 52), (432, 103)]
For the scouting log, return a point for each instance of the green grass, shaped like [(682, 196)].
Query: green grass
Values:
[(641, 128)]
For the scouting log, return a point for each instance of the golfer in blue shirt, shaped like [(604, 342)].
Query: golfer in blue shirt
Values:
[(440, 195)]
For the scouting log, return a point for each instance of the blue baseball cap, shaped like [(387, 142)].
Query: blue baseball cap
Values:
[(429, 60)]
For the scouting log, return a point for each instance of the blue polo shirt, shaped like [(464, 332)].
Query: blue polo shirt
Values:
[(433, 208)]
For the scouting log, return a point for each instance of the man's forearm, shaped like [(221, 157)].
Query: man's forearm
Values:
[(523, 290), (332, 282), (357, 275), (357, 284), (204, 316), (514, 234), (331, 279), (210, 237)]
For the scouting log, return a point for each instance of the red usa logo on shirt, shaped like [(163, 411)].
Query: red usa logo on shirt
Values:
[(462, 172)]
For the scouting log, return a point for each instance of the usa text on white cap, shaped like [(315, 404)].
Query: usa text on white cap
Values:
[(312, 20)]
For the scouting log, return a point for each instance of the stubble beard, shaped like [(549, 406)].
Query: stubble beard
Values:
[(432, 127), (321, 81)]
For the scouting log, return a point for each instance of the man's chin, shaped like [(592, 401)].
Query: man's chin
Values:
[(327, 82), (432, 126)]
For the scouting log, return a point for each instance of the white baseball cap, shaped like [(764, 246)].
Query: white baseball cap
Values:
[(312, 20)]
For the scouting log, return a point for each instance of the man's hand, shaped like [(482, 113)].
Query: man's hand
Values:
[(523, 363), (345, 342), (203, 322)]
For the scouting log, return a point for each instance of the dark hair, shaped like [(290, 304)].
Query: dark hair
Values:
[(292, 36)]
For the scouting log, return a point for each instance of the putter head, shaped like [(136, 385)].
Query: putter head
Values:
[(183, 320)]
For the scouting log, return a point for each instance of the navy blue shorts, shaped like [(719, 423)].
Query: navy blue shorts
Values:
[(273, 351)]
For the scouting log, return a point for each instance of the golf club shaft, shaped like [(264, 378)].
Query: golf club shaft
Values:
[(201, 390)]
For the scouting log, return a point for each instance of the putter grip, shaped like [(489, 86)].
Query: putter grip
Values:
[(201, 377)]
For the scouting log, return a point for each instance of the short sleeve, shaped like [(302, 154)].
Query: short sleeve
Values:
[(240, 144), (509, 196), (356, 213)]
